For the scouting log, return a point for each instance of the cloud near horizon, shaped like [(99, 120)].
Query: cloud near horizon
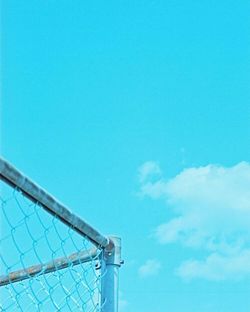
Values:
[(211, 205)]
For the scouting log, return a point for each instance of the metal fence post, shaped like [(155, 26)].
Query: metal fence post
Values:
[(111, 263)]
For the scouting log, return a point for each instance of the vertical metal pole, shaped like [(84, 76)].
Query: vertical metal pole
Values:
[(111, 263)]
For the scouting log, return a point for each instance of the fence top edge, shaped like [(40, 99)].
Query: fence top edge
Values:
[(12, 176)]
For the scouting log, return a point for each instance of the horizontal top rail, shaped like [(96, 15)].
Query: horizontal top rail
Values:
[(49, 267), (16, 179)]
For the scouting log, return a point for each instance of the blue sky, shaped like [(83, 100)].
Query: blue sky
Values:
[(136, 115)]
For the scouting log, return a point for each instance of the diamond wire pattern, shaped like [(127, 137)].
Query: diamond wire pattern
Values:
[(30, 236)]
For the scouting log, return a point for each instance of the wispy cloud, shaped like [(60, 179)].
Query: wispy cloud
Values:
[(217, 267), (150, 268), (148, 170), (212, 208), (123, 303)]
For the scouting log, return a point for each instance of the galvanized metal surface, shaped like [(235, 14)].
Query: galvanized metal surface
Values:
[(110, 266), (111, 246), (16, 179), (55, 265)]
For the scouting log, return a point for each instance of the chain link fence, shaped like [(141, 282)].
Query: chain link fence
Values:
[(48, 261)]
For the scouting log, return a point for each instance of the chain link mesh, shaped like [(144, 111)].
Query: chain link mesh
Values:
[(30, 237)]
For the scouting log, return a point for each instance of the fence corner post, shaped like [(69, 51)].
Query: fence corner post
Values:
[(110, 266)]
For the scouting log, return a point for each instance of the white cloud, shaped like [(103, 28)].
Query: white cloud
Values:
[(150, 268), (212, 208), (123, 303), (148, 170), (217, 267), (154, 190)]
